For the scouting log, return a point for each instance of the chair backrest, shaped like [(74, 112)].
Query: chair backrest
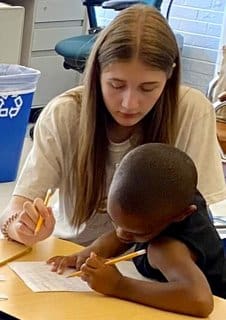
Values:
[(154, 3), (90, 5)]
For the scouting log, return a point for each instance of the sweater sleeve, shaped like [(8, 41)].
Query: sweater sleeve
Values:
[(196, 136), (52, 150)]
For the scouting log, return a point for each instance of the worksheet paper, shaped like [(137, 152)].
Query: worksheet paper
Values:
[(39, 277)]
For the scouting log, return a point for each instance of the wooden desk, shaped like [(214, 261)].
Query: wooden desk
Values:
[(27, 305)]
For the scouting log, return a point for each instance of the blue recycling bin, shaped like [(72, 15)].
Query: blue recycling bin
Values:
[(17, 87)]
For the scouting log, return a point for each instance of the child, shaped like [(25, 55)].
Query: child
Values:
[(153, 203)]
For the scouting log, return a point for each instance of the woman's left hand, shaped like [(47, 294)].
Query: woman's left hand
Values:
[(101, 277)]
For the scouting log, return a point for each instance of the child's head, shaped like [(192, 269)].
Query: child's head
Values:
[(153, 186)]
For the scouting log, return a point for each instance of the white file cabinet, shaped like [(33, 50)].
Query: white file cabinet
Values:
[(46, 23), (11, 32)]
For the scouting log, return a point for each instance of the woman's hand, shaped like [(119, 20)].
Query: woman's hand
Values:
[(60, 263), (23, 228), (101, 277)]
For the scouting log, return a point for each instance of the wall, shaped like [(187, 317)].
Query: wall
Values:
[(201, 24)]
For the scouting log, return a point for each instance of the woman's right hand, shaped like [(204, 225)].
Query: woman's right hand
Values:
[(60, 263), (22, 229)]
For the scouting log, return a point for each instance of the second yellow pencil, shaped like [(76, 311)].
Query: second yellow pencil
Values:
[(126, 257), (15, 256)]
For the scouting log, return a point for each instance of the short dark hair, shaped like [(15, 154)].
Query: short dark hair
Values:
[(154, 177)]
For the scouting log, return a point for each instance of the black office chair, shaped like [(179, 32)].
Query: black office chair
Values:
[(75, 50)]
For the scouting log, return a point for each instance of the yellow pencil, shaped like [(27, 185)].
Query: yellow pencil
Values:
[(15, 256), (114, 260), (40, 219)]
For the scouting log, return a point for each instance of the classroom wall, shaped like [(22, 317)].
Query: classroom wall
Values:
[(201, 24)]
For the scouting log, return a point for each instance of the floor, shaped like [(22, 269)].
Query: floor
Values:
[(6, 189)]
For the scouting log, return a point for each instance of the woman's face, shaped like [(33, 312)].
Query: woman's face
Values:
[(130, 90)]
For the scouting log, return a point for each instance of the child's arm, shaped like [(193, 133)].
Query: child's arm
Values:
[(187, 290), (108, 245)]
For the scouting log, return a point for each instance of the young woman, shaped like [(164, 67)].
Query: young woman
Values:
[(131, 95)]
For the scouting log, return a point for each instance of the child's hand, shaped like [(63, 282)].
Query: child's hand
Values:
[(60, 263), (99, 276)]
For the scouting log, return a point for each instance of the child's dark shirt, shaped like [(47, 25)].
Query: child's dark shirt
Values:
[(199, 234)]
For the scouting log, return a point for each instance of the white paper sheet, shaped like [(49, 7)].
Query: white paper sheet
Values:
[(39, 277)]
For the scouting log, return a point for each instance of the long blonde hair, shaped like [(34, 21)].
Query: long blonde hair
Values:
[(139, 32)]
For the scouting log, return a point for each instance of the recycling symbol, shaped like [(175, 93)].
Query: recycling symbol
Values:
[(13, 110)]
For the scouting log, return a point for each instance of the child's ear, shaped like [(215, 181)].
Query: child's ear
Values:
[(192, 208)]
